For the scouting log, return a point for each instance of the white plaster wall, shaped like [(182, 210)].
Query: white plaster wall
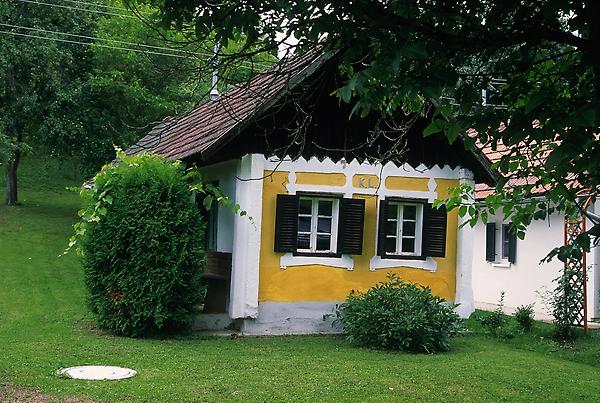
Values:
[(523, 278), (225, 174), (279, 318), (526, 276), (246, 237)]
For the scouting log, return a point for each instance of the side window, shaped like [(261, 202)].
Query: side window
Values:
[(320, 225), (411, 229), (501, 243), (212, 226), (210, 217)]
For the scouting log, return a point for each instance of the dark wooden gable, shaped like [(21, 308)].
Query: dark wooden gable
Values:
[(310, 121)]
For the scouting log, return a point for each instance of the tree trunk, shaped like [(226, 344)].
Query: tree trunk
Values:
[(11, 178)]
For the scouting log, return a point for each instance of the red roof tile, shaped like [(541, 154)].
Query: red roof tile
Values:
[(495, 152), (205, 126)]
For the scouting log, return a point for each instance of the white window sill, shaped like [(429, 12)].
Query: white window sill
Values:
[(502, 265), (289, 260), (377, 262)]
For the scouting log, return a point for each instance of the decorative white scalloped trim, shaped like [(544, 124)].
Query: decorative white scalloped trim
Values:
[(350, 169), (327, 165)]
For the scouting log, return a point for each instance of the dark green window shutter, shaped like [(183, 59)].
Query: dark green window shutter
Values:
[(435, 222), (381, 228), (490, 242), (512, 246), (286, 223), (350, 228)]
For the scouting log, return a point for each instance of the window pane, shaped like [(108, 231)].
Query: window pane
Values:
[(392, 211), (305, 206), (303, 224), (303, 241), (325, 207), (324, 225), (408, 245), (323, 242), (505, 240), (408, 228), (410, 212), (391, 228), (390, 245)]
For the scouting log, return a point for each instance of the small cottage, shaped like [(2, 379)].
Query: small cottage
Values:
[(324, 217)]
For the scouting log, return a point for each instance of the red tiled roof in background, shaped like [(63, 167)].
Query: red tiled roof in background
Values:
[(494, 154)]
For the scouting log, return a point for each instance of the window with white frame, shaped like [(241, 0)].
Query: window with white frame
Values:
[(404, 229), (317, 225), (321, 225)]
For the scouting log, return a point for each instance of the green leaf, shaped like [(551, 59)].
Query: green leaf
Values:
[(452, 132), (207, 202), (585, 116), (432, 128), (415, 51), (595, 230), (535, 100), (553, 159)]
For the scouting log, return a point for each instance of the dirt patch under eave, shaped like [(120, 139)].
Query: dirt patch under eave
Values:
[(21, 394)]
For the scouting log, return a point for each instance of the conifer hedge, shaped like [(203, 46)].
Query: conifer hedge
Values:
[(141, 241)]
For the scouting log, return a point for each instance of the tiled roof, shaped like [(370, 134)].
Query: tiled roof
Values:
[(203, 131), (495, 153), (207, 125)]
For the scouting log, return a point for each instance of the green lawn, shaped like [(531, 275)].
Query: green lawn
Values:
[(44, 326)]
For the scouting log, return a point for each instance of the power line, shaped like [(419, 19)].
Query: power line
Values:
[(103, 39), (101, 5), (105, 46), (91, 44), (77, 8), (247, 64)]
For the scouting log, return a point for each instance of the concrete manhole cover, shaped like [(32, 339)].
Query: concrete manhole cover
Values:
[(97, 372)]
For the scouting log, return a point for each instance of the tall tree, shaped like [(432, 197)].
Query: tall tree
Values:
[(402, 54), (137, 77), (76, 81), (31, 74)]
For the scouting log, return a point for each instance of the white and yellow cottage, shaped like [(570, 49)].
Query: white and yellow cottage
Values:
[(322, 224)]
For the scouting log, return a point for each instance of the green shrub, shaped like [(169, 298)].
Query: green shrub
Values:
[(395, 315), (524, 317), (496, 320), (140, 237), (566, 300)]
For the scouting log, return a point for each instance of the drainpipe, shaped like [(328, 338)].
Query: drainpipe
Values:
[(464, 258), (214, 92)]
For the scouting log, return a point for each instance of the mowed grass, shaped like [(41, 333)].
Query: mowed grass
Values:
[(44, 325)]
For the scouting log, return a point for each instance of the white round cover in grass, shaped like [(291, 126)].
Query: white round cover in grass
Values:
[(97, 372)]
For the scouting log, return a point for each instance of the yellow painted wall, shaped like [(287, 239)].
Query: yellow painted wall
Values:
[(318, 178), (322, 283), (405, 183)]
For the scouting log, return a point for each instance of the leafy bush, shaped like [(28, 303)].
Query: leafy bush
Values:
[(395, 315), (524, 317), (566, 306), (495, 321), (140, 237)]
